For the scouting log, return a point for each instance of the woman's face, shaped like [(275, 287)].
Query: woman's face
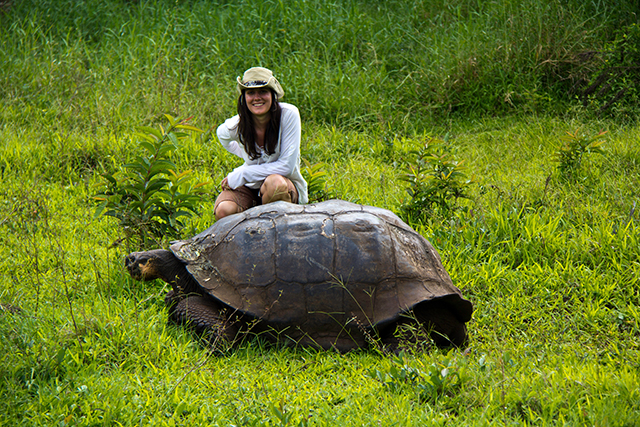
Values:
[(258, 101)]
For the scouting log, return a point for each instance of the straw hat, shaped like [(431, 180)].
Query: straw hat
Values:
[(258, 77)]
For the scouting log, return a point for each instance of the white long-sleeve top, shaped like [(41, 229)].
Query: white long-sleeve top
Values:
[(284, 161)]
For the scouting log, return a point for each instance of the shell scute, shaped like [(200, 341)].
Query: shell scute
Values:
[(304, 252), (364, 251), (246, 256), (285, 304)]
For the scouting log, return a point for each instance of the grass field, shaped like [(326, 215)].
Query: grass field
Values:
[(550, 258)]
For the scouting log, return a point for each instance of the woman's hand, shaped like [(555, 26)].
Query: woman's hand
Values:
[(225, 184)]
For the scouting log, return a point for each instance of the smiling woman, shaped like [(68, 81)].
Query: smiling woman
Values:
[(266, 134)]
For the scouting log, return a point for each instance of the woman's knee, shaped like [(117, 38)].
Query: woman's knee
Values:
[(275, 180), (274, 188), (226, 208)]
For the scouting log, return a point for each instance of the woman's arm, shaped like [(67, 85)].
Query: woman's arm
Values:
[(228, 136)]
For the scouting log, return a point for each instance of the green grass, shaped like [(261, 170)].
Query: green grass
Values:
[(550, 261)]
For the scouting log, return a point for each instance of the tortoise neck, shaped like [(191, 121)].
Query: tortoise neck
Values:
[(175, 273)]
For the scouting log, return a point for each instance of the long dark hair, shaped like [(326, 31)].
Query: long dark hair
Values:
[(248, 133)]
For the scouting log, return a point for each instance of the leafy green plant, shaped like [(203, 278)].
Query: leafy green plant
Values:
[(574, 147), (148, 196), (437, 379), (315, 175), (436, 181)]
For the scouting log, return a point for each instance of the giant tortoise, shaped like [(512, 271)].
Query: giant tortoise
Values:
[(332, 275)]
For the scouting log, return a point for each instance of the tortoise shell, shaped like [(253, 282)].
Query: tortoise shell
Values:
[(319, 266)]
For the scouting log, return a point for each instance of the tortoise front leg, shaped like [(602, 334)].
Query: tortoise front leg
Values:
[(204, 315)]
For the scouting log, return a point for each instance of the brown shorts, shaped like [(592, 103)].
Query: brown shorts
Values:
[(247, 198)]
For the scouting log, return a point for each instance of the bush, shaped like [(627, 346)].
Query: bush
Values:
[(316, 178), (575, 145), (436, 181), (148, 196)]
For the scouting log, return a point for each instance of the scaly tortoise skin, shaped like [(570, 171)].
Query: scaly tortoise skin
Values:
[(331, 275)]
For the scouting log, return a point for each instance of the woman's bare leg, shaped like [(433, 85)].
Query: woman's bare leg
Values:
[(227, 208), (276, 188)]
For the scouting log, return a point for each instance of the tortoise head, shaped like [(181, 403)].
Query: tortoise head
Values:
[(161, 264), (147, 265)]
